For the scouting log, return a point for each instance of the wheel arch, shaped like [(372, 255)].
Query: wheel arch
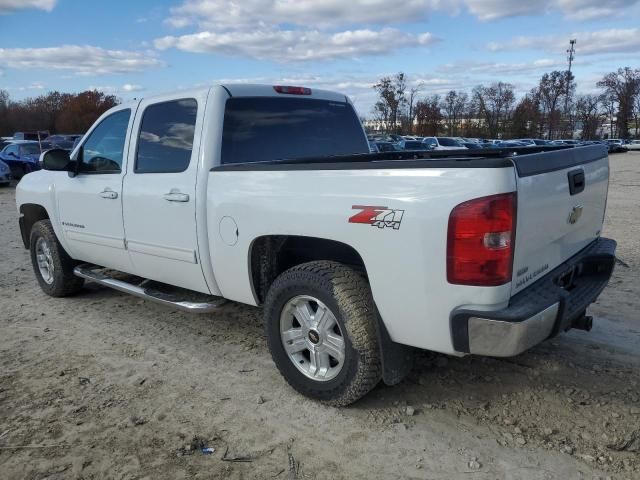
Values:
[(270, 255), (30, 213)]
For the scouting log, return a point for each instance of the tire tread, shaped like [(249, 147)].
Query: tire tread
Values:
[(357, 310)]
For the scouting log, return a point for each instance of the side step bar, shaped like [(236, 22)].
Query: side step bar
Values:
[(92, 273)]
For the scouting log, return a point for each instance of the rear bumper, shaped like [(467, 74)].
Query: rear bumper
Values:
[(546, 308)]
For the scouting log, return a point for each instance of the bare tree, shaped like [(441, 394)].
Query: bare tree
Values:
[(624, 85), (526, 117), (636, 115), (392, 100), (495, 105), (610, 105), (413, 93), (428, 116), (453, 105), (553, 89), (589, 113)]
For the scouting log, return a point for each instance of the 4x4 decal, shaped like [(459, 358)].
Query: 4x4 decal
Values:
[(381, 217)]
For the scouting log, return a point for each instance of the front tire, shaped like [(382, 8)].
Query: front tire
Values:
[(320, 327), (51, 264)]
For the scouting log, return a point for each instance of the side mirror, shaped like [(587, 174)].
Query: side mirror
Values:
[(56, 160), (11, 154)]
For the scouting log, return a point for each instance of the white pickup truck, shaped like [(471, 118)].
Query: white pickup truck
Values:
[(267, 196)]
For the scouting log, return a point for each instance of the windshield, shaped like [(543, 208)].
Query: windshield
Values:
[(260, 129), (29, 149)]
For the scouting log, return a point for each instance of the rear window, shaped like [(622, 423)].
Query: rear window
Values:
[(258, 129)]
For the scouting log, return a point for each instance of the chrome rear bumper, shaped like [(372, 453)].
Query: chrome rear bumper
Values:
[(553, 304), (498, 338)]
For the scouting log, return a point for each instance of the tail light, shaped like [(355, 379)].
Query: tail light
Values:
[(480, 241), (292, 90)]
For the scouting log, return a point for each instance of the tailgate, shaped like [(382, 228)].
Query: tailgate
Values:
[(561, 201)]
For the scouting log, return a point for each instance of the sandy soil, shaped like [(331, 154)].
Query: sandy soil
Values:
[(104, 385)]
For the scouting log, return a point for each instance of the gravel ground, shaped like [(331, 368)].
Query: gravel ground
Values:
[(104, 385)]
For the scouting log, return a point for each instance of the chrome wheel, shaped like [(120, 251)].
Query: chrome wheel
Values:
[(45, 260), (312, 338)]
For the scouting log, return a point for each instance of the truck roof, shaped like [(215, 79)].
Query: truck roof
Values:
[(255, 90), (252, 90)]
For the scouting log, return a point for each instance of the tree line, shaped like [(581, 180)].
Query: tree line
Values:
[(56, 112), (550, 110)]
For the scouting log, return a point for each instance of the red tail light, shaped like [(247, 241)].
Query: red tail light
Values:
[(292, 90), (481, 240)]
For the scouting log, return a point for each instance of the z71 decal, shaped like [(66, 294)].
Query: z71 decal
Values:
[(381, 217)]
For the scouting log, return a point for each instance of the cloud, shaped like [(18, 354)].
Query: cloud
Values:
[(493, 9), (616, 40), (128, 87), (576, 9), (8, 6), (493, 68), (81, 59), (113, 90), (295, 45), (223, 15), (590, 9)]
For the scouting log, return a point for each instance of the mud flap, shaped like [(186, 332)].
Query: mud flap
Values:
[(397, 359)]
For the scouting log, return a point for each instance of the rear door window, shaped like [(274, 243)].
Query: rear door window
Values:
[(258, 129), (166, 135)]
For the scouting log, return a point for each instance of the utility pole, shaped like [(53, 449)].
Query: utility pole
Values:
[(570, 56)]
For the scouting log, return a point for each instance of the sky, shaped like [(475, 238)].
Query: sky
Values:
[(139, 48)]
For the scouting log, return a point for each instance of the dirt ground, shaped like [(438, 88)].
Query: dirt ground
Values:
[(104, 385)]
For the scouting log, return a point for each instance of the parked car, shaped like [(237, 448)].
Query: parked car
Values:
[(22, 157), (444, 143), (387, 147), (534, 141), (355, 260), (616, 145), (633, 145), (5, 174), (511, 144), (413, 145), (60, 141), (36, 136)]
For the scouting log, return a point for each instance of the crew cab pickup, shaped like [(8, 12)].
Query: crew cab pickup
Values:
[(268, 196)]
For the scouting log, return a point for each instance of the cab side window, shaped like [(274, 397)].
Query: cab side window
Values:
[(166, 135), (103, 150), (12, 149)]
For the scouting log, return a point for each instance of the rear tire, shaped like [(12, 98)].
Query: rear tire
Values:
[(340, 328), (51, 264)]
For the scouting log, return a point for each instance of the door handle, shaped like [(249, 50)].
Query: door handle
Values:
[(108, 193), (175, 196)]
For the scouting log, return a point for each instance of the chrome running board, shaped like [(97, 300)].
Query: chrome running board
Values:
[(94, 273)]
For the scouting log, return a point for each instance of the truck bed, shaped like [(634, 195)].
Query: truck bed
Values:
[(528, 160)]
